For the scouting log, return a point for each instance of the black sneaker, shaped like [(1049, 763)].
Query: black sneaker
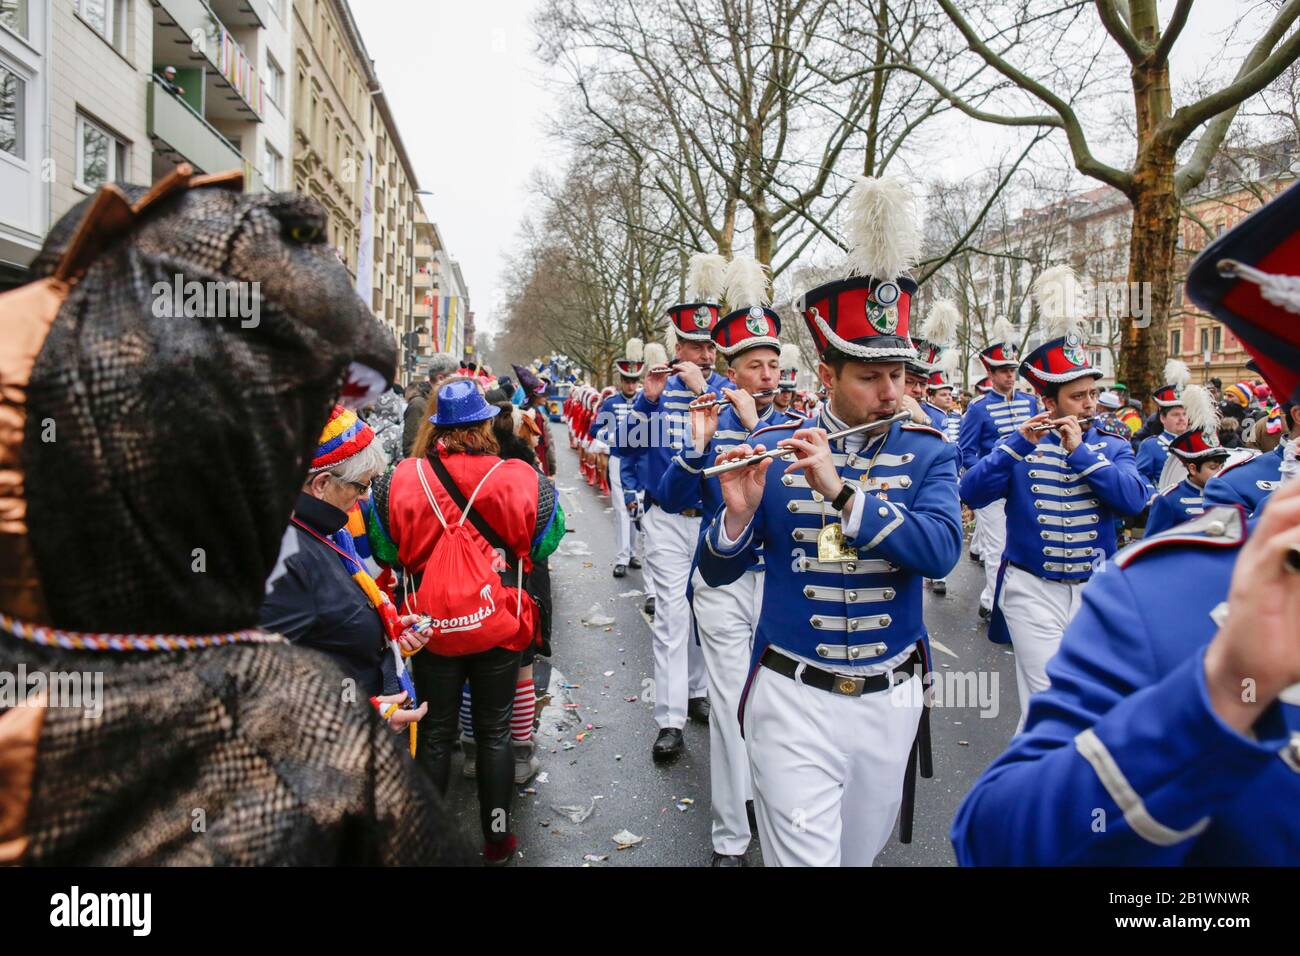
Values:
[(697, 708), (940, 587), (985, 613), (620, 570), (634, 564), (650, 606), (722, 859)]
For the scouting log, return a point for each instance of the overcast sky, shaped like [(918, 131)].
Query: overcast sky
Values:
[(471, 102)]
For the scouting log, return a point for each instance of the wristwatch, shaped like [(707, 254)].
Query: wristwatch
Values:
[(844, 497)]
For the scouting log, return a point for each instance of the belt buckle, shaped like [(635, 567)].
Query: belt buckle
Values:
[(847, 686)]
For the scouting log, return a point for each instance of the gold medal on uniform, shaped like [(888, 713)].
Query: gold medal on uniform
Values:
[(831, 546)]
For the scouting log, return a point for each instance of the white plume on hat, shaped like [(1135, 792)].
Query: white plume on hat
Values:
[(745, 284), (655, 354), (1177, 373), (635, 350), (950, 362), (1202, 414), (705, 274), (1003, 331), (791, 357), (940, 325), (1056, 293), (884, 238), (670, 338)]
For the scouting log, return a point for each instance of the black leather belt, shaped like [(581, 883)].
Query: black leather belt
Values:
[(840, 684), (685, 512)]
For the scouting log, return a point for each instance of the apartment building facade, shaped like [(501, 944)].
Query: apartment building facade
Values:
[(395, 224), (25, 64)]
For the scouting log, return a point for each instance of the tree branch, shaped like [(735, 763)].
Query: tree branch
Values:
[(1119, 31), (1170, 34)]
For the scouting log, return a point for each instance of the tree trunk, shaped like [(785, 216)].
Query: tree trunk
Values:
[(1151, 263)]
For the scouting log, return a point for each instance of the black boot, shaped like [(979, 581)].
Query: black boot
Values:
[(668, 745)]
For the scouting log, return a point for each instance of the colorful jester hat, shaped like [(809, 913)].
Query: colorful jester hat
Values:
[(867, 314), (1062, 357), (177, 434)]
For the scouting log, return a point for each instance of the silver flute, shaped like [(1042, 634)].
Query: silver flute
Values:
[(1048, 426), (717, 402), (778, 452)]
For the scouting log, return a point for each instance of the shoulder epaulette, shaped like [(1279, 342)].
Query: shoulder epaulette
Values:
[(1233, 462), (1170, 490), (918, 427), (778, 426), (1220, 527)]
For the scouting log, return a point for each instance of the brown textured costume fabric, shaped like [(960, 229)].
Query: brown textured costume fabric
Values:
[(178, 433), (235, 755)]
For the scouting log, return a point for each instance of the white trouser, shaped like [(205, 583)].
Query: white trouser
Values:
[(725, 618), (828, 770), (1036, 611), (679, 665), (622, 519), (992, 519)]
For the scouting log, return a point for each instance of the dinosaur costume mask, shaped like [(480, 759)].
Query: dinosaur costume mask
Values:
[(149, 458)]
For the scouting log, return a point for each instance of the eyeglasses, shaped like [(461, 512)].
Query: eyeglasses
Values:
[(361, 489)]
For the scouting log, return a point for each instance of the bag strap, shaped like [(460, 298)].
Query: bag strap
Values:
[(429, 494), (466, 506)]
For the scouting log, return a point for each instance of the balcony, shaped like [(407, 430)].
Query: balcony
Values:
[(181, 135), (232, 90), (421, 311), (424, 250), (422, 280), (242, 13)]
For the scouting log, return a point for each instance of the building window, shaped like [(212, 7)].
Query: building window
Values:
[(13, 14), (101, 157), (13, 110), (1205, 341), (1176, 342), (274, 82), (272, 165), (1218, 338), (105, 17)]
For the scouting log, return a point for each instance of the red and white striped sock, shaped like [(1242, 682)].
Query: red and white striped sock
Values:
[(521, 722)]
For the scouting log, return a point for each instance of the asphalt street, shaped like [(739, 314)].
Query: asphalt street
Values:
[(597, 777)]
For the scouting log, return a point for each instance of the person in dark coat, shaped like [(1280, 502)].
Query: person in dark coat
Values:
[(442, 366)]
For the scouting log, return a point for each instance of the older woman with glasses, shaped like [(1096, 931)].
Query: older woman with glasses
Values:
[(325, 598)]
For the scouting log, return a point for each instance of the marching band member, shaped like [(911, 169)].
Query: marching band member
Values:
[(661, 416), (1145, 750), (1154, 449), (725, 617), (1064, 486), (1249, 481), (987, 422), (786, 399), (849, 530), (612, 425), (1198, 455)]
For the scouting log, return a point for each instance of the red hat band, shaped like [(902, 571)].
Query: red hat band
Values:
[(746, 329), (862, 317), (694, 321)]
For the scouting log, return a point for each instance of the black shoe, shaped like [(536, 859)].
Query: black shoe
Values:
[(985, 613), (941, 587), (976, 558), (698, 709), (669, 744), (722, 859), (635, 564), (650, 606), (753, 820), (620, 570)]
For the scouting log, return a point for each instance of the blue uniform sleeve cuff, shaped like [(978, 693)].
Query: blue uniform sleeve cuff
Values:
[(873, 519), (720, 544), (1018, 444)]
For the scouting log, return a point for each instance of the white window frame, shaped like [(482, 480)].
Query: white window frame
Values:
[(26, 35), (25, 81), (118, 146), (272, 175), (114, 15), (274, 69)]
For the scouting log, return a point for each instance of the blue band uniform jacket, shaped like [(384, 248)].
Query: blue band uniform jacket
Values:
[(611, 423), (658, 430), (988, 420), (1247, 483), (949, 423), (1151, 455), (1177, 504), (1063, 509), (1122, 761), (865, 610)]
